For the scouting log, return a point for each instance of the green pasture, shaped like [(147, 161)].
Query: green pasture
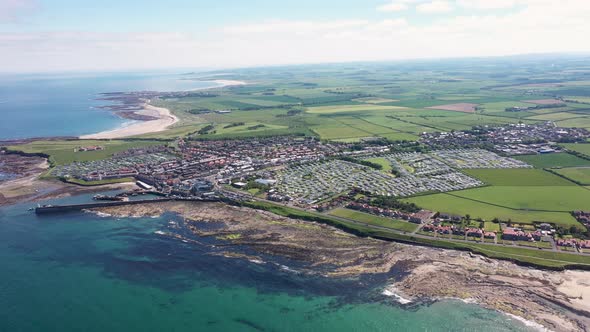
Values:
[(579, 174), (62, 151), (457, 205), (552, 160), (374, 220), (517, 177)]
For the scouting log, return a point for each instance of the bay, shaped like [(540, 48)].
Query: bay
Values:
[(65, 105), (79, 271)]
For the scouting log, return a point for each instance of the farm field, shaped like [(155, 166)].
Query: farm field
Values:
[(517, 177), (457, 205), (581, 148), (553, 160), (374, 220), (540, 198), (459, 107), (579, 174), (62, 152), (351, 108)]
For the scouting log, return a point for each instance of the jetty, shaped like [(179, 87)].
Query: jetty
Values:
[(47, 209)]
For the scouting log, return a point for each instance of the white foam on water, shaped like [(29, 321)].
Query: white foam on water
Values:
[(529, 323), (391, 291)]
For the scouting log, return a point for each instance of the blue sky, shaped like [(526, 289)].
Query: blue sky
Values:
[(63, 35)]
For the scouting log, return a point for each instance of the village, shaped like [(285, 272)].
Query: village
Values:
[(510, 139), (308, 174)]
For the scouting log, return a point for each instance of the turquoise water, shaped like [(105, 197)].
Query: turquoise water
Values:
[(65, 105), (82, 272)]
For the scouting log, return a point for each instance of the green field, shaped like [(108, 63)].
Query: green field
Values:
[(457, 205), (517, 177), (579, 174), (519, 254), (383, 162), (537, 198), (374, 220), (350, 108), (552, 160), (583, 148), (62, 152)]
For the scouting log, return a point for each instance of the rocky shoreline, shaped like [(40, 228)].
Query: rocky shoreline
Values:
[(557, 300)]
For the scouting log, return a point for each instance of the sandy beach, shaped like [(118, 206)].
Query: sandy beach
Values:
[(165, 120), (224, 83)]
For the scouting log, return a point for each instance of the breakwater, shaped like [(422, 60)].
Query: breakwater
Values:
[(47, 209)]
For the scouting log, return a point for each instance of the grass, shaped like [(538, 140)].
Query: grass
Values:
[(547, 259), (458, 205), (579, 174), (491, 226), (583, 148), (350, 108), (553, 160), (383, 162), (62, 152), (374, 220), (98, 183), (540, 198), (330, 133), (517, 177)]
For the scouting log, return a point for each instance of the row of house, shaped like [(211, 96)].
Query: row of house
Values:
[(460, 231), (574, 243), (515, 234), (420, 217)]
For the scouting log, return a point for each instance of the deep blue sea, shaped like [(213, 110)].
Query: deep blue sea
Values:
[(64, 105), (82, 272)]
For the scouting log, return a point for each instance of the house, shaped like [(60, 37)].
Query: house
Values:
[(489, 235)]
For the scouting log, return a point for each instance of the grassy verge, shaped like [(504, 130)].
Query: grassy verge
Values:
[(374, 220), (532, 257), (98, 183)]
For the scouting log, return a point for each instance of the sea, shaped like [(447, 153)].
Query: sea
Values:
[(85, 272), (44, 105)]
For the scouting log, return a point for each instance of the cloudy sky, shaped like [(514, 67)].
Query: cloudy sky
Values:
[(83, 35)]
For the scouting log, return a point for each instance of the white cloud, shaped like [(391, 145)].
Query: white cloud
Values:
[(393, 7), (487, 4), (10, 10), (436, 6), (534, 26)]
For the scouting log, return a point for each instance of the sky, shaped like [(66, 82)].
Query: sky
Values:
[(111, 35)]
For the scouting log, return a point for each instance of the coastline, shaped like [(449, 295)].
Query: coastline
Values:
[(164, 120), (161, 118), (541, 299)]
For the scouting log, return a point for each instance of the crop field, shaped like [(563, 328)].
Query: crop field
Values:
[(580, 122), (581, 148), (375, 100), (456, 205), (503, 105), (579, 174), (553, 160), (541, 198), (62, 152), (559, 116), (544, 101), (351, 108), (374, 220), (517, 177), (329, 133), (459, 107)]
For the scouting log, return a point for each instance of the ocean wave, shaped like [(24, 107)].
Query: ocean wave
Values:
[(391, 291), (529, 323)]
